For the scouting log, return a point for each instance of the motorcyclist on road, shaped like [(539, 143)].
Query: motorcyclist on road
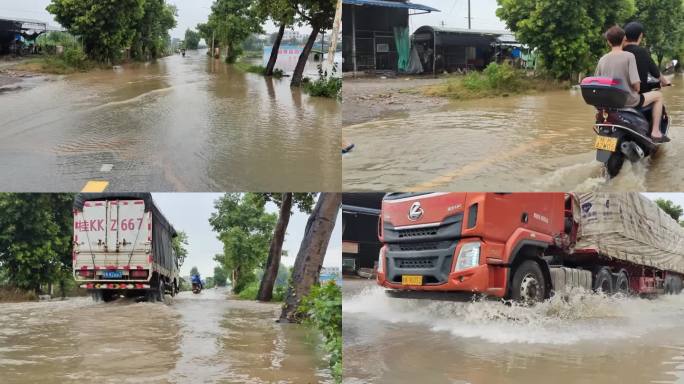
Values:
[(621, 65), (196, 279), (634, 34)]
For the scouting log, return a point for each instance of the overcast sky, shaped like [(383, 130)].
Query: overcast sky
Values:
[(454, 13), (190, 13), (190, 212)]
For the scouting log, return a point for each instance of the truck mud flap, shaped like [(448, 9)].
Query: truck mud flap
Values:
[(565, 279)]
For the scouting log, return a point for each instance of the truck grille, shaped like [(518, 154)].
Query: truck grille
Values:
[(449, 229), (419, 263), (418, 232)]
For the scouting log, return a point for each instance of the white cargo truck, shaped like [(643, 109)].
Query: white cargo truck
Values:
[(123, 246)]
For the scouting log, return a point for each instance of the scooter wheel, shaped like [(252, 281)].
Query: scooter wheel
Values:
[(614, 164)]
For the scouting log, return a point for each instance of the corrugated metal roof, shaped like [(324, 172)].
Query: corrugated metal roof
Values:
[(496, 32), (390, 4)]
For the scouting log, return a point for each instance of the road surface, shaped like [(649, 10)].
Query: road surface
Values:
[(180, 124)]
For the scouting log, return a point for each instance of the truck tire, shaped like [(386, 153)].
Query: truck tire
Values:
[(96, 294), (160, 290), (603, 281), (672, 285), (528, 284), (108, 295), (622, 283)]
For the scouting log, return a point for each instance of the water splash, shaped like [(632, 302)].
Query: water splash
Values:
[(579, 316)]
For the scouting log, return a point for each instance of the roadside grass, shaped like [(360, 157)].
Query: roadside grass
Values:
[(16, 295), (258, 69), (327, 84), (322, 309), (250, 292), (497, 80), (71, 61)]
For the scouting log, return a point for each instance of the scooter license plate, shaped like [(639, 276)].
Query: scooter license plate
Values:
[(411, 280), (606, 143)]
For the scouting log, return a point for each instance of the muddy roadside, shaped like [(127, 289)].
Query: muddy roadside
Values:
[(372, 98), (12, 79)]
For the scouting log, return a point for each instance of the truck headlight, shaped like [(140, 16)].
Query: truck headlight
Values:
[(469, 256), (380, 263)]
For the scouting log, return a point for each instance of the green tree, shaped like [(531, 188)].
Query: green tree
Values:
[(319, 15), (304, 202), (675, 211), (282, 13), (307, 267), (245, 228), (152, 31), (663, 22), (220, 276), (106, 26), (179, 244), (233, 21), (36, 242), (568, 35), (207, 31), (192, 39), (209, 282)]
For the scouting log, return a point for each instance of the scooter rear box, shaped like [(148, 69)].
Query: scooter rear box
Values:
[(604, 92)]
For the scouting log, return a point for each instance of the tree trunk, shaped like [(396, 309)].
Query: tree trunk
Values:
[(274, 51), (274, 253), (301, 63), (307, 267), (235, 278)]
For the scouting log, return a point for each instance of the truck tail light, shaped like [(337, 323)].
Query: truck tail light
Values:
[(139, 273), (86, 273)]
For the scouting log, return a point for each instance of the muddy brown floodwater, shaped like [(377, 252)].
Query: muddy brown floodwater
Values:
[(586, 339), (180, 124), (520, 143), (201, 338)]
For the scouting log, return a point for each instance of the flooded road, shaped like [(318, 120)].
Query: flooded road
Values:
[(195, 339), (588, 339), (180, 124), (521, 143)]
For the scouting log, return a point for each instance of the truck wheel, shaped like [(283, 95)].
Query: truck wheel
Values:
[(108, 295), (528, 283), (603, 281), (614, 164), (96, 295), (160, 290), (622, 283)]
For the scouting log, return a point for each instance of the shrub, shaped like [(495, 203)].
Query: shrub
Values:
[(322, 309), (327, 85)]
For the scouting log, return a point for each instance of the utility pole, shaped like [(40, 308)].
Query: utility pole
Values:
[(468, 14), (335, 33), (213, 34)]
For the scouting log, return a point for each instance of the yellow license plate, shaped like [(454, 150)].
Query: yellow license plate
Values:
[(411, 280), (605, 143)]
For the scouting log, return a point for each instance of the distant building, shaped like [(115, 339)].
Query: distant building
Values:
[(371, 30), (330, 273), (443, 49), (15, 33), (291, 35)]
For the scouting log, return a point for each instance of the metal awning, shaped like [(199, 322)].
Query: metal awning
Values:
[(390, 4)]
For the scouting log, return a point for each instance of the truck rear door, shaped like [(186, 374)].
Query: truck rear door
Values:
[(131, 226), (90, 234)]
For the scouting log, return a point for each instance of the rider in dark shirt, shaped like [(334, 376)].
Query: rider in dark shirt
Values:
[(634, 33)]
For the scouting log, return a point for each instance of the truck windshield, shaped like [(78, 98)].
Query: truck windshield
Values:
[(401, 195)]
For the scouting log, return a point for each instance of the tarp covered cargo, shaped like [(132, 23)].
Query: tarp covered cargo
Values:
[(630, 227), (162, 230)]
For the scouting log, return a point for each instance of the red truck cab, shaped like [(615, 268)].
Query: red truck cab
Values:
[(470, 242)]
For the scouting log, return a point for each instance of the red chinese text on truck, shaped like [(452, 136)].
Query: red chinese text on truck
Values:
[(123, 246), (524, 246)]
